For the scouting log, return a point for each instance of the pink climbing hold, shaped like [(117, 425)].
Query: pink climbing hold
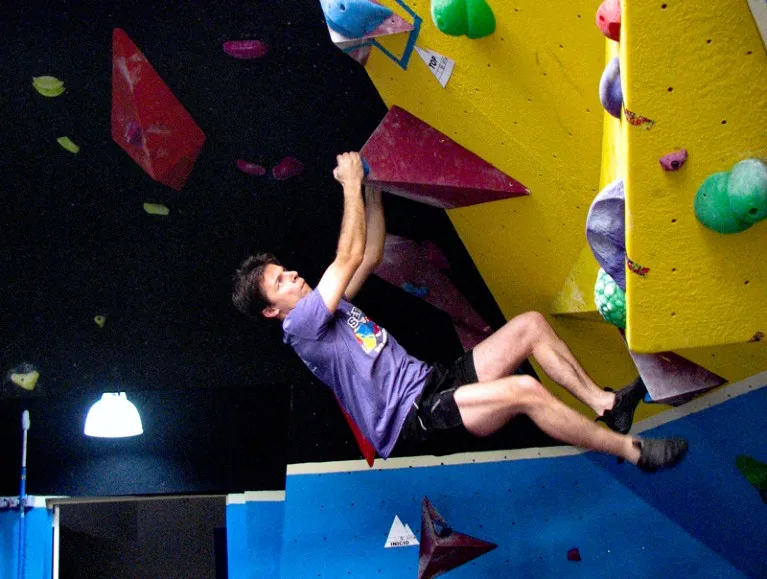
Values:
[(246, 49), (609, 19), (288, 167), (673, 161), (250, 168), (573, 554)]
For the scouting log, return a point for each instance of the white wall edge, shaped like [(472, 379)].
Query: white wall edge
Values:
[(255, 496)]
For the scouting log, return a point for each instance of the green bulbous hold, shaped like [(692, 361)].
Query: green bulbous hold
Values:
[(610, 299), (712, 206), (473, 18), (747, 188)]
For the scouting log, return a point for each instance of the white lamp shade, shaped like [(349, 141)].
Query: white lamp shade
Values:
[(114, 416)]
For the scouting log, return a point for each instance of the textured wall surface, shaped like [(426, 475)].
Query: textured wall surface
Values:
[(526, 100), (700, 519), (700, 72)]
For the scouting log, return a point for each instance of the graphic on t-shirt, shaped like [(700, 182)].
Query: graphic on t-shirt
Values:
[(369, 335)]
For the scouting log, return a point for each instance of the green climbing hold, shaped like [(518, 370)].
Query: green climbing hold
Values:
[(732, 202), (610, 299), (712, 206), (748, 190), (68, 144), (754, 471), (156, 209), (26, 380), (473, 18), (48, 86)]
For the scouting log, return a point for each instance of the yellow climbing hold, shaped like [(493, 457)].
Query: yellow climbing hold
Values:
[(67, 143), (48, 86), (27, 380), (156, 209), (100, 321)]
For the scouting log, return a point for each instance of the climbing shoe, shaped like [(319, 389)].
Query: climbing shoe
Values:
[(656, 453), (620, 417)]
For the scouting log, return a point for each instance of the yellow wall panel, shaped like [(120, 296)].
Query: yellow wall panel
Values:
[(526, 100), (699, 70)]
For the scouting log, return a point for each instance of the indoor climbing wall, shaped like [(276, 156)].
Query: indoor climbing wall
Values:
[(550, 512), (700, 74), (526, 99)]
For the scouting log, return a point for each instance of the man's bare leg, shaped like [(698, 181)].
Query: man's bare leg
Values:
[(486, 407), (530, 334)]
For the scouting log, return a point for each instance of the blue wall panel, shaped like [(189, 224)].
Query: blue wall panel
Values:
[(707, 495), (39, 544), (254, 539), (624, 522)]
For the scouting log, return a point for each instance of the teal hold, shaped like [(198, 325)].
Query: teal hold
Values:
[(732, 202), (748, 190)]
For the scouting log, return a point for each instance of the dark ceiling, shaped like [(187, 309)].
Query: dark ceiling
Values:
[(77, 242)]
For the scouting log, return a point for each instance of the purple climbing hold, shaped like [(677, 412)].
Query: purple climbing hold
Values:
[(133, 135), (610, 91), (574, 554), (288, 167), (673, 161), (606, 231)]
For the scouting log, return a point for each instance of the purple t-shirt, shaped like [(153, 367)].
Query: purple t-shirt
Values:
[(374, 378)]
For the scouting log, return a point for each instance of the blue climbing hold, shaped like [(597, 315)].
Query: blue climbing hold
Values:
[(648, 399), (354, 18), (419, 291)]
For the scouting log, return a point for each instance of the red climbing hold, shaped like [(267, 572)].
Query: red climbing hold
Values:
[(148, 121), (288, 167), (573, 554), (442, 548), (609, 19)]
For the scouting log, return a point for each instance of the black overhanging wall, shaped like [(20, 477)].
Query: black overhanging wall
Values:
[(77, 242)]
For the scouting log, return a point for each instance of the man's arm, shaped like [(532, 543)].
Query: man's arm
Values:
[(351, 241), (374, 244)]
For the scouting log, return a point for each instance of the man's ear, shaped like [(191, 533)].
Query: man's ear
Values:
[(270, 312)]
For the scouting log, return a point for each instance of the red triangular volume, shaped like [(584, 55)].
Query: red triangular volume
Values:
[(407, 157), (366, 448), (148, 121), (442, 549)]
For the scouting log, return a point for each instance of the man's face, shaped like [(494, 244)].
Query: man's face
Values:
[(283, 289)]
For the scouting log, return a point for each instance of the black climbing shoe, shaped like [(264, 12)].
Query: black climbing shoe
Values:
[(620, 417), (658, 453)]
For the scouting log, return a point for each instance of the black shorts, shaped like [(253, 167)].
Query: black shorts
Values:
[(434, 425)]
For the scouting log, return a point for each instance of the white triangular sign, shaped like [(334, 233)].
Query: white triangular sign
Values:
[(440, 66), (400, 535)]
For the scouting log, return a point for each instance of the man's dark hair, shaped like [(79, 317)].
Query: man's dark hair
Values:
[(247, 295)]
